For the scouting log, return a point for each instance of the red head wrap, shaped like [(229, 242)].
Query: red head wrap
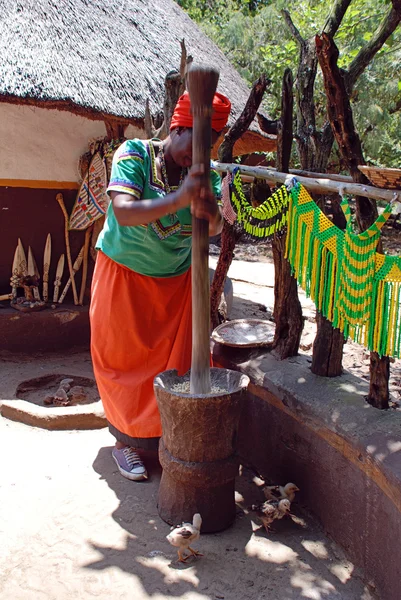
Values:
[(182, 116)]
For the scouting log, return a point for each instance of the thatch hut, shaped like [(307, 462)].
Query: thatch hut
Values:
[(76, 71)]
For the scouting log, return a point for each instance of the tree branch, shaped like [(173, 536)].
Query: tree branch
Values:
[(267, 125), (172, 85), (367, 53), (185, 61), (244, 120), (149, 129), (294, 31), (336, 16)]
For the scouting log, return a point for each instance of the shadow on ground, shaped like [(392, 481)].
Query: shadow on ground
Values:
[(295, 562)]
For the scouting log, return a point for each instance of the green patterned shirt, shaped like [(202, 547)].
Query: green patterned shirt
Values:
[(161, 248)]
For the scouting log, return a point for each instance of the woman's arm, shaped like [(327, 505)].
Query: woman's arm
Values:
[(131, 212)]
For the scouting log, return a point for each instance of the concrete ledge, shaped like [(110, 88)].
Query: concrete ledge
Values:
[(344, 454), (88, 416)]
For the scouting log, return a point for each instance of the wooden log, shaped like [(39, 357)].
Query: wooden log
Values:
[(319, 185), (202, 84)]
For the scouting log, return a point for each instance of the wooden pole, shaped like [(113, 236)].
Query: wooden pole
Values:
[(75, 269), (85, 264), (59, 198), (202, 84), (320, 185)]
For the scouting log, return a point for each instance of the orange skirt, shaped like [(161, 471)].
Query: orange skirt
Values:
[(140, 326)]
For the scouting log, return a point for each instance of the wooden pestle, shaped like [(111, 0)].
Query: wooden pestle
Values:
[(202, 84)]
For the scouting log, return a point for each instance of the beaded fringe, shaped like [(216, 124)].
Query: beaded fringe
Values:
[(353, 286)]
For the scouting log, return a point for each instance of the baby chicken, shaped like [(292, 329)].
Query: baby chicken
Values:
[(269, 511), (183, 535), (279, 492)]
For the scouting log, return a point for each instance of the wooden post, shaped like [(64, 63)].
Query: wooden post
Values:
[(228, 235), (287, 307)]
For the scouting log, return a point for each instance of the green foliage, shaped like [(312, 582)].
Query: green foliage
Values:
[(255, 38)]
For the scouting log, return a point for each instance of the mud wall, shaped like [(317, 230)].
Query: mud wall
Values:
[(343, 454)]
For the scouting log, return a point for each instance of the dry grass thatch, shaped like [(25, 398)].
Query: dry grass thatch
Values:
[(102, 57)]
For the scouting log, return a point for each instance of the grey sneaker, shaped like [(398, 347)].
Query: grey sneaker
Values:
[(129, 463)]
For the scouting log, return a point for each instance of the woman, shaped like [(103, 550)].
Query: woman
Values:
[(141, 292)]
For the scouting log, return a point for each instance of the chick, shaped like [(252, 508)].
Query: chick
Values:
[(278, 492), (183, 535), (269, 511)]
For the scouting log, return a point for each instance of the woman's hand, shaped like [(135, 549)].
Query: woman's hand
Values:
[(195, 191)]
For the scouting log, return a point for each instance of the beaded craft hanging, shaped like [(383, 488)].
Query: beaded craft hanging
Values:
[(262, 221), (353, 286)]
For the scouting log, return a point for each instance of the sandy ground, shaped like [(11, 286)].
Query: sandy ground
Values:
[(72, 527)]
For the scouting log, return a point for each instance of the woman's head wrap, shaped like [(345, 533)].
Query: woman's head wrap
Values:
[(182, 116)]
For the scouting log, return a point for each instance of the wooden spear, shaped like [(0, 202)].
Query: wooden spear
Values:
[(33, 272), (59, 198), (202, 84), (59, 275), (75, 269), (46, 267), (22, 266)]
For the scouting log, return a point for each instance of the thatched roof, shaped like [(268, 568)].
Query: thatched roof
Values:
[(102, 57)]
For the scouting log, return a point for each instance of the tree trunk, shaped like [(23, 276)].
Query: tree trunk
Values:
[(327, 349), (287, 308), (228, 235), (328, 346), (379, 378), (341, 119), (314, 148)]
